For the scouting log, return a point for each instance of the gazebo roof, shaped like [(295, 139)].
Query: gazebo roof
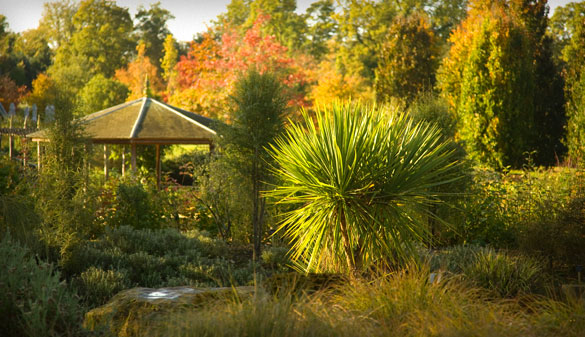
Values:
[(144, 121)]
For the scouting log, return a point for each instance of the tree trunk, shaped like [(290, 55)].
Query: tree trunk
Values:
[(256, 217), (349, 256)]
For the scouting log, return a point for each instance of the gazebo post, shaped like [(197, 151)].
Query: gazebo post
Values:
[(158, 166), (39, 155), (85, 161), (10, 140), (123, 160), (24, 151), (133, 159), (106, 157)]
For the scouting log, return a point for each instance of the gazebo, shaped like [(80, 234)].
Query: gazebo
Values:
[(144, 121)]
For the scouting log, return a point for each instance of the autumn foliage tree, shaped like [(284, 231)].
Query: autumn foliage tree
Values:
[(136, 74), (44, 93), (207, 74), (334, 85), (9, 91)]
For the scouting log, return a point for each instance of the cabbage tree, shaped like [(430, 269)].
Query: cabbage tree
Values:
[(358, 181)]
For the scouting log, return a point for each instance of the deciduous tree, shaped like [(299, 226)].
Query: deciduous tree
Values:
[(208, 73), (9, 91), (333, 85), (169, 63), (102, 35), (138, 72), (101, 43), (57, 21), (321, 27), (44, 92), (152, 30), (100, 93)]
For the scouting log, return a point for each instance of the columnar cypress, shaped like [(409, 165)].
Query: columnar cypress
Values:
[(500, 81)]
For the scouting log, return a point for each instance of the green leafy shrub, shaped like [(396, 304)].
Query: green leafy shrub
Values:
[(33, 300), (430, 108), (134, 206), (518, 209), (19, 218), (481, 214), (98, 285), (276, 258), (223, 193), (129, 257), (556, 230), (10, 176)]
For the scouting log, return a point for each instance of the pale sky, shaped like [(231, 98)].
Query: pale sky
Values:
[(191, 16)]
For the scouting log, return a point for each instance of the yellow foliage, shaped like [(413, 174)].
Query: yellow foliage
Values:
[(333, 86), (136, 74), (44, 92)]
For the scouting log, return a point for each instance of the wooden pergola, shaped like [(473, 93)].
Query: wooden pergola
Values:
[(144, 121)]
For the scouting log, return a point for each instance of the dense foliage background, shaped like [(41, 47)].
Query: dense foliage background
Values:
[(425, 157)]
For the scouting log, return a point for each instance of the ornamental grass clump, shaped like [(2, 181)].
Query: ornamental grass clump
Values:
[(359, 181)]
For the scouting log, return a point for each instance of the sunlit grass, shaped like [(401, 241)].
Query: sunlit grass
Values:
[(400, 304)]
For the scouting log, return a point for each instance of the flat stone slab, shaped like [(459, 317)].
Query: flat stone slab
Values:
[(146, 311)]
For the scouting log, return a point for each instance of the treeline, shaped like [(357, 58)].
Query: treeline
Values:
[(504, 74)]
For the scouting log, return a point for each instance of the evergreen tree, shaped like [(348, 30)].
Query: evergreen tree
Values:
[(500, 81), (259, 109), (408, 59), (168, 64)]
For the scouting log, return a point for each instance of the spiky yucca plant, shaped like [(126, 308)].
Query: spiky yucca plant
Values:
[(359, 180)]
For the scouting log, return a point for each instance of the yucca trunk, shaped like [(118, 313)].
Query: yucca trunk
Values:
[(349, 254)]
